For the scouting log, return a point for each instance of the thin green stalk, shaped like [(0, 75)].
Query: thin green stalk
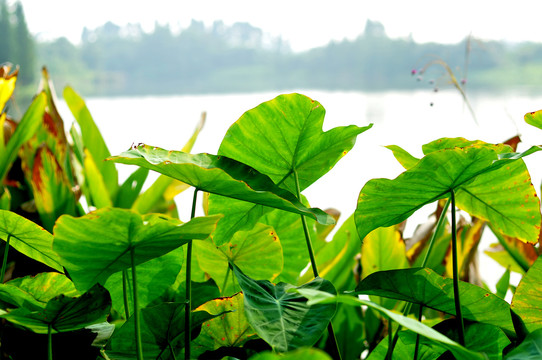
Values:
[(459, 316), (188, 305), (125, 293), (139, 346), (5, 261), (331, 332), (438, 229), (50, 342)]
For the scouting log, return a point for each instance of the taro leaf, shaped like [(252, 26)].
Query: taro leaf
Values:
[(527, 300), (99, 244), (529, 349), (281, 317), (231, 329), (65, 313), (383, 249), (320, 297), (503, 284), (298, 354), (284, 136), (257, 252), (468, 238), (513, 253), (92, 139), (405, 159), (29, 238), (52, 190), (27, 127), (130, 188), (153, 278), (238, 216), (33, 292), (219, 175), (488, 185), (405, 348), (424, 286), (165, 188), (336, 259), (534, 118), (162, 330), (482, 338), (99, 195)]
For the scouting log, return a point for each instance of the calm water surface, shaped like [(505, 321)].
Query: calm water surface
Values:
[(408, 119)]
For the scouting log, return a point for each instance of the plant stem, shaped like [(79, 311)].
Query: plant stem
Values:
[(438, 228), (459, 316), (125, 293), (50, 342), (188, 305), (139, 347), (5, 261), (331, 332)]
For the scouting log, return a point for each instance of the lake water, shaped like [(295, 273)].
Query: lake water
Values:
[(408, 119)]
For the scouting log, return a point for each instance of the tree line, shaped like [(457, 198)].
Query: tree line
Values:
[(115, 60)]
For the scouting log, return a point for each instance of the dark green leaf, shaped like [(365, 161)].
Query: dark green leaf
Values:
[(281, 317), (99, 244), (529, 349)]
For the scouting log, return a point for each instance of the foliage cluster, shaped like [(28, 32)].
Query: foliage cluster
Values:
[(95, 269), (113, 60)]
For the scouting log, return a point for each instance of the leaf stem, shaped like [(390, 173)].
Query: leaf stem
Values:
[(331, 332), (188, 305), (50, 341), (459, 316), (125, 293), (139, 347), (5, 261)]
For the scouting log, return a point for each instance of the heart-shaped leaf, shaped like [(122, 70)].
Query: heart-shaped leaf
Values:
[(99, 244), (281, 317), (283, 136), (425, 287), (219, 175), (64, 313), (29, 238), (510, 202), (248, 250)]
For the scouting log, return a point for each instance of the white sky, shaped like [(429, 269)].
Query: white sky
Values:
[(305, 24)]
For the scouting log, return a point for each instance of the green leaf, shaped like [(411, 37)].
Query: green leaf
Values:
[(503, 284), (281, 317), (153, 278), (165, 188), (424, 286), (534, 118), (130, 189), (527, 300), (298, 354), (231, 329), (529, 349), (29, 238), (27, 127), (99, 244), (487, 185), (405, 159), (248, 250), (65, 313), (92, 139), (162, 329), (219, 175), (52, 190), (321, 297), (383, 249), (405, 348), (283, 136)]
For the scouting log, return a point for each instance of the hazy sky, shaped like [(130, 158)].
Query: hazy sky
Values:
[(305, 24)]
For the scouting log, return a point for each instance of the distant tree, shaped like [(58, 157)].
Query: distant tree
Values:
[(24, 50), (6, 41)]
